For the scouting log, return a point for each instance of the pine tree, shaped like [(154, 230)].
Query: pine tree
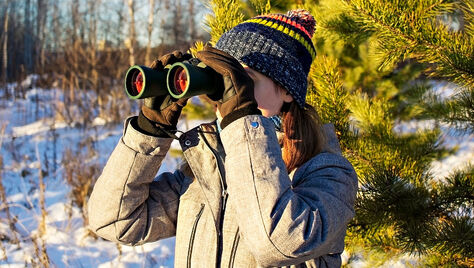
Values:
[(387, 51), (375, 68)]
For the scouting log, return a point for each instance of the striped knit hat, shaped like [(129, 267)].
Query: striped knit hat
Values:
[(277, 45)]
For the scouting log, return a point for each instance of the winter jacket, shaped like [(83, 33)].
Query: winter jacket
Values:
[(240, 209)]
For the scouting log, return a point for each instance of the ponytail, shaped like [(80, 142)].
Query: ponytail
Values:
[(303, 137)]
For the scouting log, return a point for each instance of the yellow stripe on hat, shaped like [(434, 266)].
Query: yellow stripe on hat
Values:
[(285, 30)]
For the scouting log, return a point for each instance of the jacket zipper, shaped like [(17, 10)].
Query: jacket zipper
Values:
[(221, 222), (234, 249), (224, 196), (193, 234)]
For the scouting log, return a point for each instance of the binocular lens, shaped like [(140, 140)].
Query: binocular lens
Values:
[(134, 82), (180, 81), (138, 82)]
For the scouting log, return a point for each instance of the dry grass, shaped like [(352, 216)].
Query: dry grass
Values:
[(5, 207), (39, 239), (81, 176), (40, 252)]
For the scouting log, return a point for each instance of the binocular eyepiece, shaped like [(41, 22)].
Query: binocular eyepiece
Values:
[(180, 80)]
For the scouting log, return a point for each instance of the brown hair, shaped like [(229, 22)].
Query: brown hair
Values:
[(304, 137)]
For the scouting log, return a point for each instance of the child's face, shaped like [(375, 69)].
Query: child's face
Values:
[(269, 96)]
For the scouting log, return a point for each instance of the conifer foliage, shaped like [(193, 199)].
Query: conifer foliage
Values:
[(391, 52), (376, 66)]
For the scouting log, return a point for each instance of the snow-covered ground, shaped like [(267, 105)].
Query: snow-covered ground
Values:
[(34, 140)]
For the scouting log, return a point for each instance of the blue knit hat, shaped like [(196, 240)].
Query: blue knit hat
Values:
[(276, 45)]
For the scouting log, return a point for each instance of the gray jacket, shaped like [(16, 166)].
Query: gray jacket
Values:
[(240, 209)]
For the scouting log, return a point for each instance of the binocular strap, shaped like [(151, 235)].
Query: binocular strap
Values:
[(170, 133)]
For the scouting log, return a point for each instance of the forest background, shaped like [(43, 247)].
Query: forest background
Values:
[(394, 77)]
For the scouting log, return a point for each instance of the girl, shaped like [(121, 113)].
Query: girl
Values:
[(264, 185)]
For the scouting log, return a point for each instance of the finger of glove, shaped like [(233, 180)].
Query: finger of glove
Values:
[(217, 59), (154, 102), (225, 65), (182, 56), (170, 58), (236, 80), (172, 113), (173, 57), (209, 49), (154, 115)]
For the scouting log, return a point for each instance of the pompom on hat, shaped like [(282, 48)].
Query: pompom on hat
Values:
[(276, 45)]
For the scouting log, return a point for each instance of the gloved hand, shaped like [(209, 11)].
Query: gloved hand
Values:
[(160, 114), (238, 98)]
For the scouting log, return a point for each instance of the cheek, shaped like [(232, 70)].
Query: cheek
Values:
[(267, 98)]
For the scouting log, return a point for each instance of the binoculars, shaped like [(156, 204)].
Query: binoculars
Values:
[(180, 80)]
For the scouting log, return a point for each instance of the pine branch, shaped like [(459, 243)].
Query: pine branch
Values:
[(225, 15), (388, 200), (399, 205), (410, 102), (378, 144), (420, 37), (454, 239), (261, 6), (327, 94), (457, 111), (436, 221), (456, 194)]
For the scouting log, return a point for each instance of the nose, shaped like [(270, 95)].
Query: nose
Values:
[(248, 70)]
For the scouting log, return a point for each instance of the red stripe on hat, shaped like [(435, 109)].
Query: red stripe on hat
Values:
[(287, 21)]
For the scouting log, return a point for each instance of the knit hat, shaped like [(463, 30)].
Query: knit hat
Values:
[(276, 45)]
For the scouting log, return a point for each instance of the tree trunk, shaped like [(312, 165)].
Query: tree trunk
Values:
[(56, 27), (164, 28), (177, 23), (75, 21), (5, 48), (191, 23), (131, 38), (151, 17), (94, 74), (93, 43), (41, 31), (28, 50)]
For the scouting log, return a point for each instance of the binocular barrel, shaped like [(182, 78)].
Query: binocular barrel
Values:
[(180, 80), (143, 82)]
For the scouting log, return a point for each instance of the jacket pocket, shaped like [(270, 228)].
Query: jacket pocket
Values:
[(193, 234), (234, 249)]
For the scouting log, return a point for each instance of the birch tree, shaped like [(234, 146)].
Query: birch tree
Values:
[(131, 40), (151, 17), (177, 23), (41, 30)]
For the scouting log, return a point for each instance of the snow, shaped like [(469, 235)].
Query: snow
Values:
[(450, 139), (33, 139), (37, 127)]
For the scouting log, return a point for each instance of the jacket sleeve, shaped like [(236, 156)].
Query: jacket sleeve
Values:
[(280, 223), (127, 204)]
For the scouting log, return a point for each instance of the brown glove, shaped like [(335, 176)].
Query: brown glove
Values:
[(159, 115), (238, 99)]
